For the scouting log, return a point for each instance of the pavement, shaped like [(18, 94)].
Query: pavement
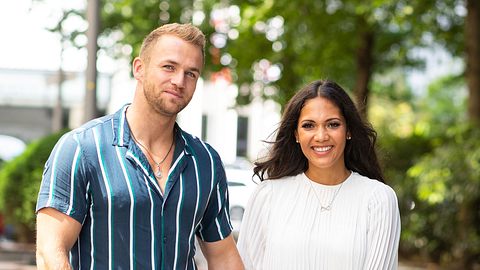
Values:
[(16, 256)]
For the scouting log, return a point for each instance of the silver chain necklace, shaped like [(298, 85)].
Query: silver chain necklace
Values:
[(158, 173), (329, 206)]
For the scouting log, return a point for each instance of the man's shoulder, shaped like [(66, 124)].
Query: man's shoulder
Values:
[(103, 122), (85, 134)]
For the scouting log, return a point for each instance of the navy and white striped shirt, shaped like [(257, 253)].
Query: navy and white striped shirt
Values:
[(100, 177)]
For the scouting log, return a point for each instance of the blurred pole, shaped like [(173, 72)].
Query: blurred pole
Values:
[(92, 48), (57, 119)]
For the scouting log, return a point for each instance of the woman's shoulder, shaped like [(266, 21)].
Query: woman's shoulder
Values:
[(373, 187), (369, 183), (380, 195), (266, 188), (284, 182)]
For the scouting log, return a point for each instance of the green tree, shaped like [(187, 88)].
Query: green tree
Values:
[(348, 41), (128, 22), (444, 222), (431, 160), (455, 24), (271, 48)]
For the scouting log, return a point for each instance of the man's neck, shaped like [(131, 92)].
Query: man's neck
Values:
[(152, 129)]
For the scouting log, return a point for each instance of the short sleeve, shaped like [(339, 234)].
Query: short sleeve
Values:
[(383, 229), (64, 185), (253, 231), (215, 224)]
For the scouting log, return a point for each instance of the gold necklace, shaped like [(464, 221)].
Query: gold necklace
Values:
[(329, 206), (158, 173)]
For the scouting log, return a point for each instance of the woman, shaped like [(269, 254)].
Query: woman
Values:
[(322, 203)]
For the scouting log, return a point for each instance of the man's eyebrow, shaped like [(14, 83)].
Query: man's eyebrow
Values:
[(194, 69)]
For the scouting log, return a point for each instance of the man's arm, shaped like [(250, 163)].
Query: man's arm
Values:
[(222, 254), (56, 234)]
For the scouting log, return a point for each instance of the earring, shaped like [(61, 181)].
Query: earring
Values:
[(349, 137)]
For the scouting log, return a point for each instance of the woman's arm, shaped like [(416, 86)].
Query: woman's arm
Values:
[(253, 231), (383, 231)]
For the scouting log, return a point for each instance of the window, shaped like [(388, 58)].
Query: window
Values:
[(204, 127), (242, 136)]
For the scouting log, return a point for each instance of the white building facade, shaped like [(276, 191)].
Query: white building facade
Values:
[(211, 115)]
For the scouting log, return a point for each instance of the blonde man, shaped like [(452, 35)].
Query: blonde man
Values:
[(132, 190)]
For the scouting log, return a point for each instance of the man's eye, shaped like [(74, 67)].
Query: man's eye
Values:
[(168, 67), (191, 75)]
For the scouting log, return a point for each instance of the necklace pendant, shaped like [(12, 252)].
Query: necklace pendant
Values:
[(158, 174), (323, 208)]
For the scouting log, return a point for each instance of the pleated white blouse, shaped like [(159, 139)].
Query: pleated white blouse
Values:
[(285, 228)]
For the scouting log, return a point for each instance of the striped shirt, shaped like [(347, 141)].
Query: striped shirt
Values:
[(97, 175)]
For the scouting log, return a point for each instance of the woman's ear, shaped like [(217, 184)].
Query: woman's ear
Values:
[(349, 135)]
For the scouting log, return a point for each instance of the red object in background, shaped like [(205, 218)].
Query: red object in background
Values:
[(2, 225)]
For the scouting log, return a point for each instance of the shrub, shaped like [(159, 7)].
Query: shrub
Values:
[(443, 220), (19, 184)]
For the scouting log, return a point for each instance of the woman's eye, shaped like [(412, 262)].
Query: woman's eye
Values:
[(333, 125), (307, 125)]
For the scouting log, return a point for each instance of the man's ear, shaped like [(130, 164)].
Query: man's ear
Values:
[(138, 68)]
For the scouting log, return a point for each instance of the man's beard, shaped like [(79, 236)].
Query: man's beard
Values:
[(160, 104)]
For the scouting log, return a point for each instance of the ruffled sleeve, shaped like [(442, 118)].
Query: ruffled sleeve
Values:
[(383, 230), (252, 236)]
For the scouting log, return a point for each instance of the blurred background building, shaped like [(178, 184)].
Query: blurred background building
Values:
[(28, 99)]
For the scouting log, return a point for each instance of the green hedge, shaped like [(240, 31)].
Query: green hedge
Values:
[(19, 184)]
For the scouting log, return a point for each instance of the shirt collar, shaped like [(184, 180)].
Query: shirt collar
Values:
[(122, 133)]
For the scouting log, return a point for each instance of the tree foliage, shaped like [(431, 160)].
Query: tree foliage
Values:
[(271, 48), (431, 158), (443, 222), (128, 22)]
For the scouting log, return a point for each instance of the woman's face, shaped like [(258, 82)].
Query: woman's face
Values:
[(322, 134)]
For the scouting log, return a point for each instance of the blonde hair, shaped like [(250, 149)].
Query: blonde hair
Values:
[(187, 32)]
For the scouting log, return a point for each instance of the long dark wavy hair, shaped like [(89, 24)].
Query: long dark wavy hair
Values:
[(286, 158)]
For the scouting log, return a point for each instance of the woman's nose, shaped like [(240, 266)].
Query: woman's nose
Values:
[(321, 134)]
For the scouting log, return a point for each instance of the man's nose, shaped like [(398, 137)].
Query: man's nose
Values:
[(178, 79)]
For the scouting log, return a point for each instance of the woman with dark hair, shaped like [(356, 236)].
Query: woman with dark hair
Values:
[(322, 203)]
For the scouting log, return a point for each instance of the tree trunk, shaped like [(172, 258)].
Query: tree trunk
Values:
[(472, 45), (93, 16), (364, 70)]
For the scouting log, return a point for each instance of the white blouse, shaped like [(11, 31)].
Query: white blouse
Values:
[(285, 228)]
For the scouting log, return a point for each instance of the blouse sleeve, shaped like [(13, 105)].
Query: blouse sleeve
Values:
[(252, 235), (383, 231)]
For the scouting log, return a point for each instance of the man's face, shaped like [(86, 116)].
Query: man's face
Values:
[(170, 76)]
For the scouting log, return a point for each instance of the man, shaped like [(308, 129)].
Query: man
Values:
[(132, 190)]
